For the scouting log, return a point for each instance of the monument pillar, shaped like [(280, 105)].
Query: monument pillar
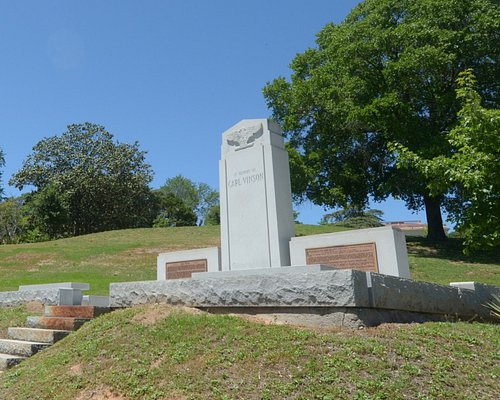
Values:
[(255, 197)]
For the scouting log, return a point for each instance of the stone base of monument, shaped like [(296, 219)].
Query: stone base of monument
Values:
[(315, 296), (327, 317), (381, 250)]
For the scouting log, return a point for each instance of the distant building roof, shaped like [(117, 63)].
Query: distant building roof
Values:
[(409, 225), (406, 224)]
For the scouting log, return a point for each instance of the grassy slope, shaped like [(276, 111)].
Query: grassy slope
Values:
[(98, 259), (445, 263), (145, 353), (149, 352), (126, 255), (130, 255)]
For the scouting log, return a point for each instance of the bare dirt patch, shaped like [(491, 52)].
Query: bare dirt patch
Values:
[(159, 311), (259, 319), (153, 250), (101, 393), (38, 258), (156, 250), (376, 331), (76, 370)]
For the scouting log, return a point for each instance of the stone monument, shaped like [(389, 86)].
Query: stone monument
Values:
[(256, 201), (257, 227), (355, 278)]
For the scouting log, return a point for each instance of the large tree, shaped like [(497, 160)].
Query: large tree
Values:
[(198, 197), (387, 73), (12, 220), (354, 218), (86, 182), (172, 211), (473, 168)]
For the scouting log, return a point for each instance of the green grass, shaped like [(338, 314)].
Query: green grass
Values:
[(156, 352), (130, 255), (98, 259), (305, 230), (152, 352), (444, 263), (102, 258)]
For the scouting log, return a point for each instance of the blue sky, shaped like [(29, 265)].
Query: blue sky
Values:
[(171, 74)]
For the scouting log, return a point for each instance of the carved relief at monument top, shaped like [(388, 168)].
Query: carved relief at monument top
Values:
[(244, 137)]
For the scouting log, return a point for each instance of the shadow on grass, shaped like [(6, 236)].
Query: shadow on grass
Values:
[(452, 249)]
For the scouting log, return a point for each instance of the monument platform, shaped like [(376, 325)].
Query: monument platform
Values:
[(354, 278), (314, 296)]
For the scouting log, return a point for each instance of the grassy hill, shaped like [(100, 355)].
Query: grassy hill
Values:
[(130, 255), (160, 352)]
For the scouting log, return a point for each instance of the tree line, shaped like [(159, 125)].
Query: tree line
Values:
[(85, 182)]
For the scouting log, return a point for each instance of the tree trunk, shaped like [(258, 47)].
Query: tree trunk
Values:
[(435, 230)]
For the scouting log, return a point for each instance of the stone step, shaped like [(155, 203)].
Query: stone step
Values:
[(97, 301), (37, 334), (75, 311), (59, 323), (8, 360), (21, 347)]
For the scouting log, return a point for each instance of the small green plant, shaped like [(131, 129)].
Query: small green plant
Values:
[(494, 306)]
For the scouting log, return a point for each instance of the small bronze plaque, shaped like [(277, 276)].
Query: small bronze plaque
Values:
[(361, 256), (184, 269)]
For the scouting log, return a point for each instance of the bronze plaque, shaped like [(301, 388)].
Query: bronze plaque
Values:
[(184, 269), (361, 256)]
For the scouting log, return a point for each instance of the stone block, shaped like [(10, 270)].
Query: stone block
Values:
[(390, 292), (464, 285), (98, 301), (381, 250), (59, 323), (36, 335), (484, 292), (9, 360), (265, 271), (20, 347), (58, 285), (71, 297), (342, 288), (47, 296), (75, 311)]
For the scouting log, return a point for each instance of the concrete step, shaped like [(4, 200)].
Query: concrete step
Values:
[(59, 323), (8, 360), (37, 334), (20, 347), (97, 301), (75, 311)]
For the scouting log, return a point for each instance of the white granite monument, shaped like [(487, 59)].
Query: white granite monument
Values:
[(256, 201), (257, 227)]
